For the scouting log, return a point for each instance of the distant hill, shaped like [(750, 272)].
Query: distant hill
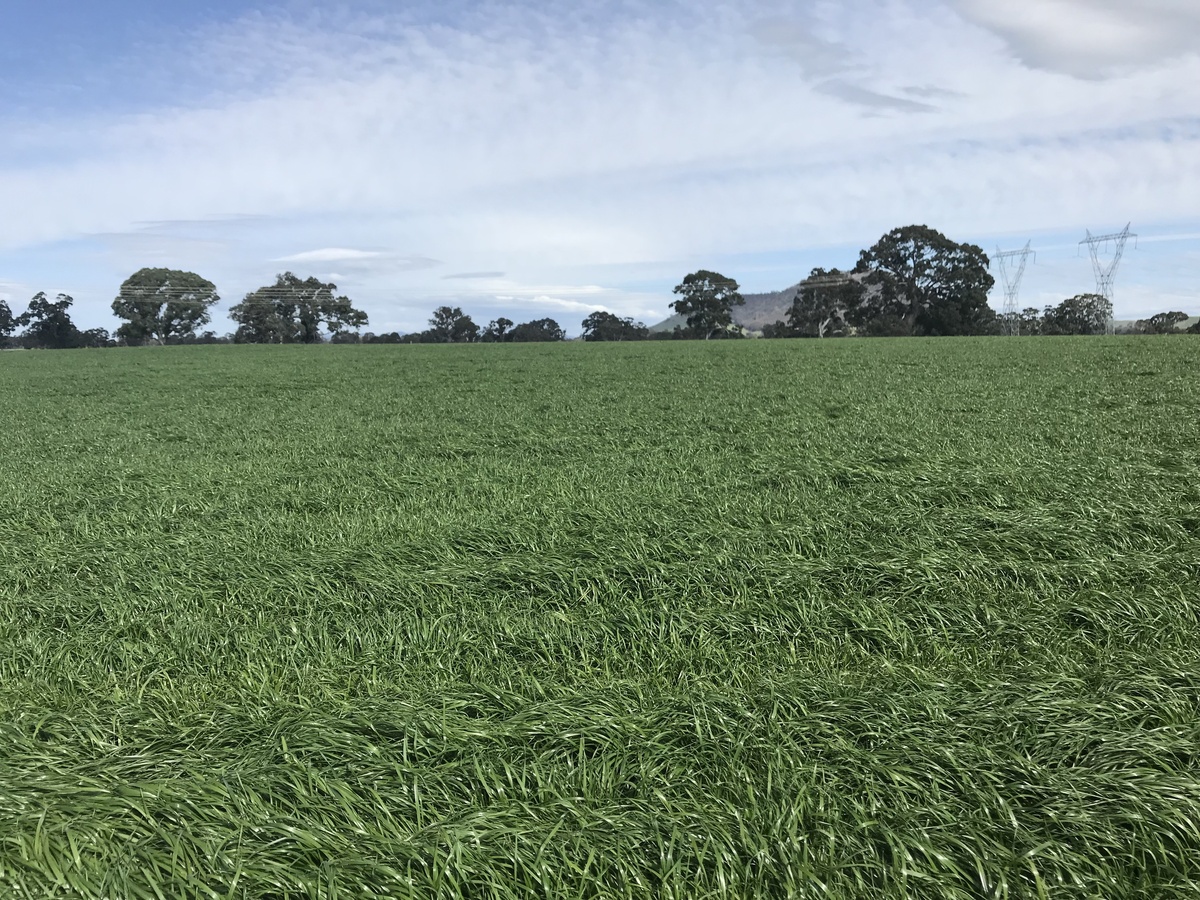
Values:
[(760, 310)]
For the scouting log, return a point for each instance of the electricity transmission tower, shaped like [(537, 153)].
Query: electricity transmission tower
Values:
[(1011, 272), (1106, 272)]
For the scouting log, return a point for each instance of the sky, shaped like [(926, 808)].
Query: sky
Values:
[(530, 158)]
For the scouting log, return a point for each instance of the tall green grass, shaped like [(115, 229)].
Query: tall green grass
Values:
[(745, 619)]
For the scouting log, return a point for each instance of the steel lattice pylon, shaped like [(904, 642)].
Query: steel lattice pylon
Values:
[(1012, 283), (1105, 273)]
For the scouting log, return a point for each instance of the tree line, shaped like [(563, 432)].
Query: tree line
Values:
[(48, 325), (450, 325), (168, 306), (912, 281)]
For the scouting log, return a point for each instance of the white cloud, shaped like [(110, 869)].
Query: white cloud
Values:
[(1090, 38), (543, 301), (329, 254), (575, 290), (1190, 236)]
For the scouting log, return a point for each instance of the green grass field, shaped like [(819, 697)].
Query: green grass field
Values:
[(735, 619)]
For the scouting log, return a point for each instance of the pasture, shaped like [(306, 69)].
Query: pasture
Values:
[(836, 619)]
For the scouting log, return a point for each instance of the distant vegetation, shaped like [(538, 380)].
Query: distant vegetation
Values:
[(1165, 323), (48, 326), (450, 325), (913, 281), (605, 326)]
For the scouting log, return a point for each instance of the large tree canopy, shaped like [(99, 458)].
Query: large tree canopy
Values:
[(1161, 323), (48, 325), (292, 311), (1081, 314), (497, 330), (707, 300), (450, 325), (927, 283), (7, 320), (161, 304), (605, 326), (537, 330), (1029, 321), (825, 304)]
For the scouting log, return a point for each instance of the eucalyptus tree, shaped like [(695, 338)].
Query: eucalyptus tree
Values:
[(48, 325), (497, 330), (824, 304), (927, 283), (1161, 323), (537, 330), (450, 325), (1081, 314), (293, 311), (160, 305), (605, 326), (8, 322), (707, 299)]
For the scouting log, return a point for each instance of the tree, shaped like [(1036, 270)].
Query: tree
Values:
[(449, 325), (777, 330), (1161, 323), (707, 300), (48, 325), (204, 337), (824, 303), (292, 311), (1029, 321), (886, 325), (497, 330), (8, 322), (163, 304), (605, 326), (391, 337), (95, 337), (932, 284), (537, 330), (260, 321), (1081, 314)]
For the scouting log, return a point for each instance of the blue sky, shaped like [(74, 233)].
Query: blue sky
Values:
[(531, 158)]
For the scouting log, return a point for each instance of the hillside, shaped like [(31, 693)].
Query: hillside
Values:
[(760, 310)]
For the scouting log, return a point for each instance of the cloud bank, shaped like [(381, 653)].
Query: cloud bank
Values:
[(485, 151)]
